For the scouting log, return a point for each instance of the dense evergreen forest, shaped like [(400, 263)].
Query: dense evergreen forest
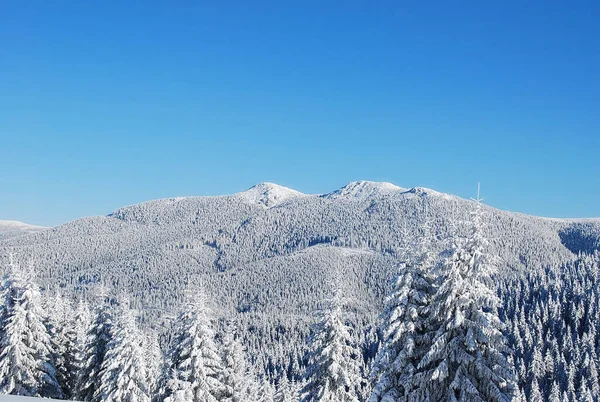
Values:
[(454, 324)]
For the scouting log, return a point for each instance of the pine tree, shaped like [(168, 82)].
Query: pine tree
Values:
[(335, 372), (26, 354), (123, 372), (98, 335), (403, 328), (467, 360), (195, 368)]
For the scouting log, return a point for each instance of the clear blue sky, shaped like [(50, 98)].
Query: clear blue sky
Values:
[(109, 103)]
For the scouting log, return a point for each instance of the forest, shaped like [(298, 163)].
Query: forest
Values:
[(452, 326)]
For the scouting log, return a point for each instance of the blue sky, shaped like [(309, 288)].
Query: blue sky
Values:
[(104, 104)]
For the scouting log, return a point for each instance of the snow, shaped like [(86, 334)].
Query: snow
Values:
[(571, 220), (16, 228), (14, 398), (266, 252), (430, 192), (268, 194), (365, 189), (17, 225)]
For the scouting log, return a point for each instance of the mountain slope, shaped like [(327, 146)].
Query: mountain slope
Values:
[(267, 255), (14, 228), (14, 398)]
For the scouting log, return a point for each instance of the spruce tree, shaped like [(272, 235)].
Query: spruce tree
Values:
[(123, 372), (335, 372), (82, 323), (535, 394), (26, 355), (154, 362), (61, 326), (266, 391), (235, 375), (287, 391), (195, 368), (467, 360), (98, 335), (403, 326)]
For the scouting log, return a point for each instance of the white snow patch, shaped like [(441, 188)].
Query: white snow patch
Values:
[(348, 252), (268, 194)]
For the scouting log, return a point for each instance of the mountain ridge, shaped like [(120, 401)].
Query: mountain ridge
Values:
[(359, 188), (268, 255)]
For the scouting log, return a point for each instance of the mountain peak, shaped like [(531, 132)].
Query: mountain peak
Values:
[(269, 194), (363, 188)]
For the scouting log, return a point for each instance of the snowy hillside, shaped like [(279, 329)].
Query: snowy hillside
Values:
[(266, 254), (15, 228), (12, 398), (246, 240)]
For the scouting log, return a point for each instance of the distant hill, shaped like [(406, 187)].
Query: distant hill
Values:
[(13, 398), (13, 228)]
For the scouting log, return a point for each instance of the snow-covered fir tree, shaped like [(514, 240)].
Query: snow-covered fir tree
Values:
[(82, 321), (63, 334), (287, 390), (403, 328), (335, 372), (195, 368), (253, 389), (266, 391), (236, 376), (26, 354), (123, 374), (467, 360), (98, 335), (153, 357)]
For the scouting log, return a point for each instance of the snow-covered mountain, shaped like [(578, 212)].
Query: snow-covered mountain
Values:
[(14, 398), (15, 228), (268, 228), (267, 254), (269, 194), (365, 189)]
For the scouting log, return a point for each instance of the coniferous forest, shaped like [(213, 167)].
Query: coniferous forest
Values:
[(451, 328), (274, 201)]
